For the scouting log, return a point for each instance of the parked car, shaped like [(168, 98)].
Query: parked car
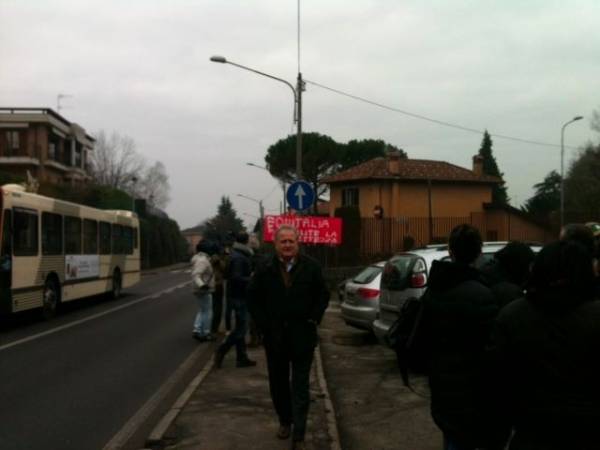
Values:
[(361, 297), (405, 276)]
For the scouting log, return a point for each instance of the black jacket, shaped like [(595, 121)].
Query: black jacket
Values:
[(549, 354), (288, 316), (458, 315), (505, 289), (239, 270)]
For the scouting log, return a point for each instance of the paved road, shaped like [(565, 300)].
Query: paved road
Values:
[(76, 387)]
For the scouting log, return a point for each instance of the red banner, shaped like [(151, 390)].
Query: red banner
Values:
[(313, 230)]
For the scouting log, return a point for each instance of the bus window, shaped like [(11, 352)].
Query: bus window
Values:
[(72, 236), (128, 240), (135, 238), (105, 238), (52, 234), (25, 232), (6, 251), (90, 237), (117, 239)]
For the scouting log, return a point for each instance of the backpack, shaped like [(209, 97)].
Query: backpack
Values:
[(408, 339)]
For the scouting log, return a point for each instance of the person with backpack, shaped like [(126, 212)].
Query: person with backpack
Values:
[(238, 275), (458, 313), (203, 285)]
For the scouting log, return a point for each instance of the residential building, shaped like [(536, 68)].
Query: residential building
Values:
[(422, 200), (41, 141)]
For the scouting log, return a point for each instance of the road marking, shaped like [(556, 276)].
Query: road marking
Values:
[(158, 433), (87, 319), (120, 439), (332, 427)]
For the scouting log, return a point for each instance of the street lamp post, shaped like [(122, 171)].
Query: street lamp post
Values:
[(260, 204), (562, 168), (282, 184), (297, 91)]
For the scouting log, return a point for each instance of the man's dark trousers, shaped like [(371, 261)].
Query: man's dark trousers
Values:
[(238, 336), (291, 400)]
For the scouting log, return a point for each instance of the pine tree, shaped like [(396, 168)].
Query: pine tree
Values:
[(490, 167), (219, 227)]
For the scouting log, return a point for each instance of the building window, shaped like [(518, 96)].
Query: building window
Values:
[(13, 142), (52, 234), (350, 197)]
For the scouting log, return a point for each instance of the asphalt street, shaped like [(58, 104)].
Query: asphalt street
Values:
[(73, 382)]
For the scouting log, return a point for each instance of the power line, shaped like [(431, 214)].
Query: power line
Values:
[(429, 119)]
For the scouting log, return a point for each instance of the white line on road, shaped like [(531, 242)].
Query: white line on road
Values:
[(119, 440), (332, 426), (87, 319)]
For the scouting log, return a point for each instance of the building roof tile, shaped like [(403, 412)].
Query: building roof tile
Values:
[(409, 169)]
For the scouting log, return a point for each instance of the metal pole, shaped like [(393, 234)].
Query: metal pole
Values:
[(562, 169), (299, 89)]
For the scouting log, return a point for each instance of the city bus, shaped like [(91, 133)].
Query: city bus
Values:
[(53, 251)]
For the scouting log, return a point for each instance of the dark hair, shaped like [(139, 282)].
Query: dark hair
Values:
[(562, 270), (578, 232), (242, 237), (465, 243), (206, 246), (515, 259)]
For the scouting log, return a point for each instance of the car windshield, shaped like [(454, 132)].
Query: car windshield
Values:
[(396, 272), (367, 275)]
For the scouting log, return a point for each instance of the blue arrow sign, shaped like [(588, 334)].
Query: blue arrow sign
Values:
[(300, 195)]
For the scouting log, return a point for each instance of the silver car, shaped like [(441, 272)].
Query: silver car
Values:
[(361, 297)]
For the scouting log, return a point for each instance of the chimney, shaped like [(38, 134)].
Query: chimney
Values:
[(393, 162), (478, 165)]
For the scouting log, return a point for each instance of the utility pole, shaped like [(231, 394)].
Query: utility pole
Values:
[(299, 89)]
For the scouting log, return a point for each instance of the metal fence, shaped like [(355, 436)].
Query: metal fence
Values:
[(367, 240)]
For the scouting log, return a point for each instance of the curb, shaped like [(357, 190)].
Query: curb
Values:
[(332, 427), (158, 433)]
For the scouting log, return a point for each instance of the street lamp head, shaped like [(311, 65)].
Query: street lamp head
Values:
[(577, 118), (218, 59)]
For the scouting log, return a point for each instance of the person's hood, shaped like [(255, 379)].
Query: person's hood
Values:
[(445, 275), (243, 249), (199, 255)]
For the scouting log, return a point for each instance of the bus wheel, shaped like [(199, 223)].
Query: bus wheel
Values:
[(51, 298), (117, 284)]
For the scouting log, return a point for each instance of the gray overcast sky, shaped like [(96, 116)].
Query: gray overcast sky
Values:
[(519, 68)]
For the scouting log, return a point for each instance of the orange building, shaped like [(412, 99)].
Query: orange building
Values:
[(425, 199)]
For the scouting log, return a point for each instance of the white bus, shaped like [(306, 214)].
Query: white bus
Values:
[(53, 251)]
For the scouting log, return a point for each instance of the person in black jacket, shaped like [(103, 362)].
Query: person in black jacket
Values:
[(508, 271), (288, 298), (548, 345), (237, 276), (458, 314)]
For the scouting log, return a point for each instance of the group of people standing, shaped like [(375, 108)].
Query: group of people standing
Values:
[(513, 348), (286, 297)]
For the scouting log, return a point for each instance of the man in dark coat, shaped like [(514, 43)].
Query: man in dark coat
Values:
[(548, 345), (237, 276), (508, 271), (458, 313), (288, 298)]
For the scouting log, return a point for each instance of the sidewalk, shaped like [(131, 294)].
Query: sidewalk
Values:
[(232, 409)]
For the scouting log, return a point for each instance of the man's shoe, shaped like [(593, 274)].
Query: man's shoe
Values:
[(245, 363), (284, 431), (218, 358), (209, 337)]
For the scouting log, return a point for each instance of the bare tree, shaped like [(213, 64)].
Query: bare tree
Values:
[(154, 185), (115, 162)]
